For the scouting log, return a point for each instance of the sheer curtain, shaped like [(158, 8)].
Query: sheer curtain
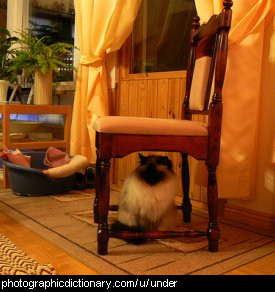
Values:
[(103, 26), (241, 95)]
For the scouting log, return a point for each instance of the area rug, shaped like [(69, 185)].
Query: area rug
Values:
[(14, 261), (67, 221)]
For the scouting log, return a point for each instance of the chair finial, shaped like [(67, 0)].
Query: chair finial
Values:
[(196, 22), (227, 4)]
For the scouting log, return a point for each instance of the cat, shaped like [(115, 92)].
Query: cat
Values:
[(147, 197)]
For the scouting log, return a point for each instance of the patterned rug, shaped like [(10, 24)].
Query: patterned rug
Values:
[(14, 261), (67, 221)]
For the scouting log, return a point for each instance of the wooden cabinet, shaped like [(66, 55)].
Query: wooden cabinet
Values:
[(25, 143)]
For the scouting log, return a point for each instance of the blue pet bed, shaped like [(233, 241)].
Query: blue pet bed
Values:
[(32, 182)]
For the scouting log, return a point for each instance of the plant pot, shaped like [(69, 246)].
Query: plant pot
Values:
[(43, 87), (4, 86)]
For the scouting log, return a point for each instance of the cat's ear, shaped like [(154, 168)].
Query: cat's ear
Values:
[(166, 161), (142, 159)]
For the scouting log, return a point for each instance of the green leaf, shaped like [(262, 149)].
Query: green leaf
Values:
[(34, 54)]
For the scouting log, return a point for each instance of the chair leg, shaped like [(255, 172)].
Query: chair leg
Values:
[(103, 207), (185, 177), (213, 231), (97, 189)]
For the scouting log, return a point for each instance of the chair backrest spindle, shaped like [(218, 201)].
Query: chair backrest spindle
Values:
[(190, 67), (222, 49)]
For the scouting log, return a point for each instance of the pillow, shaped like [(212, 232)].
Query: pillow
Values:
[(16, 157), (55, 157), (76, 164), (19, 159)]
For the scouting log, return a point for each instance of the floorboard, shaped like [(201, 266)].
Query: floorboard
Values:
[(41, 250)]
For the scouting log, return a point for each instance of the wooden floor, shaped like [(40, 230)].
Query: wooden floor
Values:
[(44, 252), (41, 250)]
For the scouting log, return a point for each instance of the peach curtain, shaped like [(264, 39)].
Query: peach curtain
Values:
[(102, 26), (241, 95)]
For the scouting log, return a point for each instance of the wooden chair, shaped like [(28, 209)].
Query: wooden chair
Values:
[(117, 137)]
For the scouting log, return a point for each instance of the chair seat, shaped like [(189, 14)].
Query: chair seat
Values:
[(149, 126)]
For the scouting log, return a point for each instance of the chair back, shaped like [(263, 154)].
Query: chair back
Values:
[(207, 59)]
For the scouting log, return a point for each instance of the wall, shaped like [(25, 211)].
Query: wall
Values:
[(264, 201)]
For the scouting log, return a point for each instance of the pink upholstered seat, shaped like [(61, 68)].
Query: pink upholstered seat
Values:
[(149, 126)]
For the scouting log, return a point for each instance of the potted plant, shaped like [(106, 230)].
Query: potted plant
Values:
[(6, 55), (39, 60)]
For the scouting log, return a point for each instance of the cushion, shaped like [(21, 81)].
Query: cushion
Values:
[(76, 164), (199, 83), (55, 157), (149, 126), (16, 157)]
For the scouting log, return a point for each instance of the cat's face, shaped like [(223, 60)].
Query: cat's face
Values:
[(153, 169)]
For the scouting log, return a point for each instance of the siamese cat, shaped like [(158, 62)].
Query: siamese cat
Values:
[(147, 197)]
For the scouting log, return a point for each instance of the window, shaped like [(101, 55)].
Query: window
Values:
[(161, 35), (3, 13), (57, 20)]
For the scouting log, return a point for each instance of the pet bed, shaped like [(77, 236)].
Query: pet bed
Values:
[(32, 181)]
